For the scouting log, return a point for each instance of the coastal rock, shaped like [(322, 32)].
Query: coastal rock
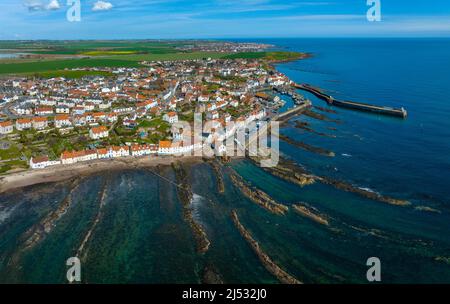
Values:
[(38, 232), (185, 195), (258, 196), (307, 147), (306, 126), (219, 176), (319, 116), (363, 192), (312, 213), (273, 268), (325, 110)]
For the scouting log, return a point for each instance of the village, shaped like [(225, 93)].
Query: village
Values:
[(130, 112)]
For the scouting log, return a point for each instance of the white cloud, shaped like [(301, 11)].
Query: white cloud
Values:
[(38, 5), (102, 6), (34, 5), (53, 5)]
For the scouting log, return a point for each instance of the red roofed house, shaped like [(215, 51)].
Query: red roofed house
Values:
[(44, 111), (40, 123), (120, 151), (140, 150), (22, 124), (6, 127), (99, 132), (62, 121), (71, 157), (171, 117)]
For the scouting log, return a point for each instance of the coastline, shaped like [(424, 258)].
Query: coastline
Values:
[(64, 172)]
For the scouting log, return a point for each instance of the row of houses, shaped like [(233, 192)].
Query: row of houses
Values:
[(38, 123), (72, 157), (60, 121)]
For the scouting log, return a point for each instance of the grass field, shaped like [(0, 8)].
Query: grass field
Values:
[(108, 54), (70, 74), (55, 65), (109, 61)]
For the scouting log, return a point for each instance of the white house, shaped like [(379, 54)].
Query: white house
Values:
[(120, 151), (62, 109), (6, 127), (68, 157), (212, 115), (42, 162), (171, 117), (98, 132), (23, 124), (62, 121), (140, 150), (44, 110), (40, 123)]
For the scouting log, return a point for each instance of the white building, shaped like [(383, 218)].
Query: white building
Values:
[(140, 150), (62, 121), (99, 132), (23, 124), (42, 162), (6, 127), (171, 117)]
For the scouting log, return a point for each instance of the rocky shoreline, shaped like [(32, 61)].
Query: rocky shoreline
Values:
[(258, 196), (185, 195), (319, 116), (283, 171), (219, 176), (307, 147), (312, 213), (365, 193), (66, 172), (102, 199), (306, 126), (273, 268), (38, 232), (325, 110), (291, 172)]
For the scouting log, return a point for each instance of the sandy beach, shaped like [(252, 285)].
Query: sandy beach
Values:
[(63, 172)]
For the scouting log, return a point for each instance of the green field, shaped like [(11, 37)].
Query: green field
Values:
[(70, 74), (113, 54), (55, 65), (128, 61)]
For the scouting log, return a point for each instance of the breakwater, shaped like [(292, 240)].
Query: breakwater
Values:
[(359, 106)]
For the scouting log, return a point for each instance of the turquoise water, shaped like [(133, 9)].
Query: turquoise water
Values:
[(9, 55), (142, 237), (402, 157)]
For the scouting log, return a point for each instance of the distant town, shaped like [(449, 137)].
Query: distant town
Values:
[(131, 112)]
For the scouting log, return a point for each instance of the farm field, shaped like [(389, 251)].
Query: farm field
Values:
[(51, 58)]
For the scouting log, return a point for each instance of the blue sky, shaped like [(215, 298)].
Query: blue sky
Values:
[(167, 19)]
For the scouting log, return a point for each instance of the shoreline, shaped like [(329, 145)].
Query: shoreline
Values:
[(59, 173)]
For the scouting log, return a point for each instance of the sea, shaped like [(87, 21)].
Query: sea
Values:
[(141, 235)]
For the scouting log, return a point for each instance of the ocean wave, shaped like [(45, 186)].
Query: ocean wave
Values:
[(5, 214), (368, 190), (196, 202)]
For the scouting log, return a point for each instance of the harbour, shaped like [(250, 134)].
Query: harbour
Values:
[(365, 107)]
